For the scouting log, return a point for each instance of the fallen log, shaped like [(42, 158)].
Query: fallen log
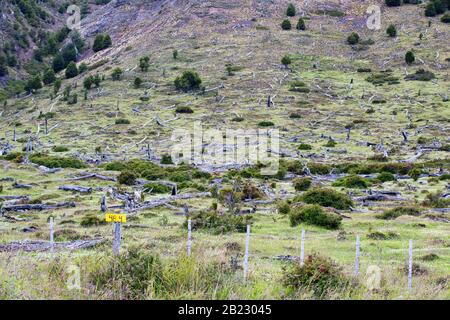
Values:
[(76, 189), (14, 198), (88, 175), (162, 201), (42, 246), (38, 207), (21, 186)]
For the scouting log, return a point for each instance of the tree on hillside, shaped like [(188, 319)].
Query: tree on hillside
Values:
[(144, 63), (391, 31), (3, 66), (116, 74), (409, 57), (286, 60), (33, 84), (286, 25), (301, 24), (353, 38), (58, 63), (393, 3), (101, 42), (49, 76), (71, 70), (189, 80), (290, 12)]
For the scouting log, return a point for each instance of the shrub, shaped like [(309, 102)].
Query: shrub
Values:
[(295, 115), (327, 198), (377, 235), (33, 84), (290, 12), (55, 162), (249, 191), (184, 109), (436, 200), (137, 82), (49, 76), (284, 207), (304, 146), (90, 220), (166, 159), (71, 70), (382, 78), (391, 31), (301, 24), (60, 149), (319, 274), (157, 188), (430, 10), (116, 74), (399, 211), (101, 42), (314, 215), (421, 75), (219, 224), (352, 181), (386, 176), (286, 60), (409, 57), (415, 174), (189, 80), (144, 63), (133, 275), (353, 38), (330, 144), (445, 18), (302, 184), (122, 121), (266, 124), (127, 178), (286, 25), (393, 3)]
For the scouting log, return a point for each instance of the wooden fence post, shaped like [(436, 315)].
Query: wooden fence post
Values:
[(52, 243), (189, 242), (247, 243), (302, 248), (358, 244), (117, 238), (410, 264)]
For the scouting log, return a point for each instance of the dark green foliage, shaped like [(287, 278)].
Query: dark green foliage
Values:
[(386, 176), (409, 57), (301, 24), (302, 184), (137, 82), (291, 12), (3, 66), (304, 146), (314, 215), (71, 70), (60, 149), (381, 78), (101, 42), (421, 75), (377, 235), (298, 86), (399, 211), (319, 274), (122, 121), (436, 200), (144, 63), (116, 74), (284, 208), (92, 220), (58, 63), (166, 159), (445, 18), (184, 109), (353, 38), (56, 162), (352, 181), (266, 124), (219, 224), (127, 178), (327, 198), (286, 25), (189, 80), (57, 86), (331, 13), (175, 54), (157, 188), (393, 3), (33, 84), (286, 60), (415, 173), (295, 115), (49, 76), (430, 257), (330, 143), (391, 31)]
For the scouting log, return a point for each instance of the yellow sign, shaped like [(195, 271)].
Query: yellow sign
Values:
[(116, 217)]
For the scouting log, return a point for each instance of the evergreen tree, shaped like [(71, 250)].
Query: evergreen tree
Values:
[(49, 76), (391, 31), (409, 57), (301, 24), (33, 84), (58, 63), (353, 38), (189, 80), (286, 25), (116, 74), (144, 63), (3, 66), (290, 12), (71, 70)]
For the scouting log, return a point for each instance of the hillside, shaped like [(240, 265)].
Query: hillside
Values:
[(354, 119)]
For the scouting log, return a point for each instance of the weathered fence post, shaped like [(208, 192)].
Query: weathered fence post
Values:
[(410, 264), (46, 125), (52, 243), (358, 244), (117, 238), (302, 248), (103, 206), (189, 242), (247, 243), (14, 135)]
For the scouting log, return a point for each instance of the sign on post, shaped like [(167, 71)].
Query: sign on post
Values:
[(117, 219)]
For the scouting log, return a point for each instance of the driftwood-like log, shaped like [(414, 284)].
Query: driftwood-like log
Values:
[(38, 207), (162, 201), (76, 189), (88, 175), (42, 246), (21, 186)]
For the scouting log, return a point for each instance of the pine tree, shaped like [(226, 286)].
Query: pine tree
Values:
[(391, 31), (286, 25), (49, 76), (58, 63), (71, 70), (301, 24), (409, 57), (290, 12)]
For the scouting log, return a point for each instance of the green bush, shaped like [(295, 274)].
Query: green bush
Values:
[(377, 235), (352, 181), (304, 146), (386, 176), (60, 149), (415, 174), (166, 159), (286, 60), (326, 198), (435, 200), (101, 42), (445, 18), (409, 57), (219, 224), (302, 184), (184, 109), (301, 24), (421, 75), (353, 38), (314, 215), (189, 80), (391, 31), (266, 124), (157, 188), (127, 178), (122, 121), (286, 25), (56, 162), (399, 211), (290, 12), (283, 207), (71, 70), (319, 274), (116, 74)]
